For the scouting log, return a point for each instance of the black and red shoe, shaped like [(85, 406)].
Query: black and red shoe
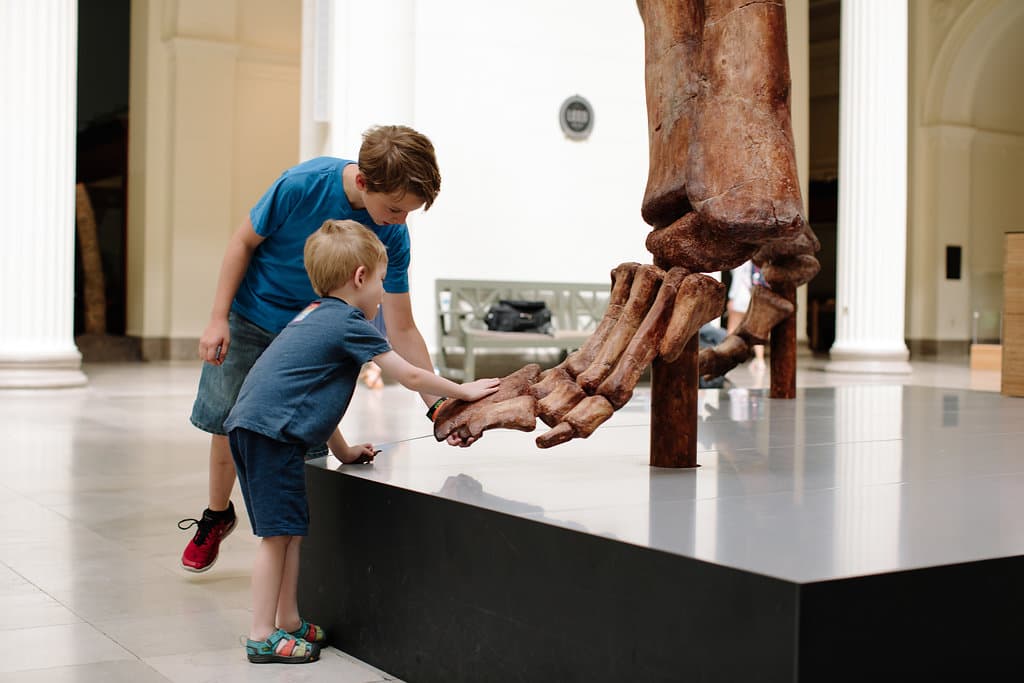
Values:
[(201, 552)]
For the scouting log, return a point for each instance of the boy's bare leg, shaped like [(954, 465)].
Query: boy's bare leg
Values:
[(219, 520), (732, 322), (222, 473), (288, 617), (267, 574), (758, 365)]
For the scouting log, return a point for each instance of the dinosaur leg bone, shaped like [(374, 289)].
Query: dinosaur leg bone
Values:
[(767, 309)]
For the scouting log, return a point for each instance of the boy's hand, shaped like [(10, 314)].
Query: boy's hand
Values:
[(455, 440), (474, 391), (360, 453), (213, 345)]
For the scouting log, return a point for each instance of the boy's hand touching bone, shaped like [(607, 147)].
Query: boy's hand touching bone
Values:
[(474, 391), (511, 406), (487, 388)]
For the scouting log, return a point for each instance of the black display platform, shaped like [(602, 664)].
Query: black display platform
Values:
[(457, 584)]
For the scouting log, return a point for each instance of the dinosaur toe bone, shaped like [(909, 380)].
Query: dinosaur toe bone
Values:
[(650, 311), (722, 188)]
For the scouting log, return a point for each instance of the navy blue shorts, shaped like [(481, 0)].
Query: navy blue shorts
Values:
[(272, 477)]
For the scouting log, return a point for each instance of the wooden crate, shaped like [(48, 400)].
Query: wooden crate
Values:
[(986, 357), (1013, 316)]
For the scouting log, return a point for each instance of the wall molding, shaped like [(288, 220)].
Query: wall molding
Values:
[(169, 348)]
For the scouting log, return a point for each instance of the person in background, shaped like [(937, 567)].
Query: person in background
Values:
[(744, 278)]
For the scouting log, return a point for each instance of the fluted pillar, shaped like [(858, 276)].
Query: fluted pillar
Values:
[(340, 58), (872, 228), (38, 44)]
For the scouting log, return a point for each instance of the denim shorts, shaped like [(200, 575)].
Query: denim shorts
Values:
[(219, 384), (272, 477)]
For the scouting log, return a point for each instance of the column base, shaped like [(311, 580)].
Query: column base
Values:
[(58, 372), (875, 362)]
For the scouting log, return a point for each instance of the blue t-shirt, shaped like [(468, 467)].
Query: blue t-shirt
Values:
[(275, 286), (299, 389)]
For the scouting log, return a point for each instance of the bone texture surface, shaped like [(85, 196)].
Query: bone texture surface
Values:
[(722, 188)]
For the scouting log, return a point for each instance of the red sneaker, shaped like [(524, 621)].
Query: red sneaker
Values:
[(201, 552)]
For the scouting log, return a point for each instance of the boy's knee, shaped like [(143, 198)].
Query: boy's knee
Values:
[(281, 541)]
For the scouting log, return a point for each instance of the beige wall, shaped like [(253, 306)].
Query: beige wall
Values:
[(215, 98), (967, 156), (214, 119), (799, 72), (965, 125)]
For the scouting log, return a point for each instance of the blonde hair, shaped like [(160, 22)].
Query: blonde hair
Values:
[(397, 159), (334, 252)]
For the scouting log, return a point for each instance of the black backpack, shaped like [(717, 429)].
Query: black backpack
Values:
[(519, 316)]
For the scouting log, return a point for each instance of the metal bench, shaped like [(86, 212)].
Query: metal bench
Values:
[(576, 309)]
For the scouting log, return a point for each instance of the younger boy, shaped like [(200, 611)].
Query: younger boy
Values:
[(294, 398)]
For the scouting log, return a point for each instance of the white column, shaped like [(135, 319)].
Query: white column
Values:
[(350, 79), (38, 44), (872, 228), (314, 105)]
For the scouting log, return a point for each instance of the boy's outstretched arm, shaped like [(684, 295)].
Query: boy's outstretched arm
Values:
[(405, 337), (425, 382), (362, 452)]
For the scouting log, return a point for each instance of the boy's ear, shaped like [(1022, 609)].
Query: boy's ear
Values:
[(359, 277)]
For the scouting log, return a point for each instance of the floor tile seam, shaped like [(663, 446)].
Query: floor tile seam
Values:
[(955, 476), (165, 573), (97, 625), (81, 622), (694, 499), (46, 592), (102, 625), (960, 476), (803, 444), (970, 435)]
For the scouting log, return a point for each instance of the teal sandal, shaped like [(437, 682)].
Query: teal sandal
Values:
[(311, 633), (281, 648)]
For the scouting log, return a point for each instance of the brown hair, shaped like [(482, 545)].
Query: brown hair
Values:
[(336, 250), (397, 159)]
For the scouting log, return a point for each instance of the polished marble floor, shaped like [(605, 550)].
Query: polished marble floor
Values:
[(95, 479)]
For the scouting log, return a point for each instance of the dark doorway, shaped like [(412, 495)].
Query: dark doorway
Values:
[(102, 156), (823, 190), (821, 291)]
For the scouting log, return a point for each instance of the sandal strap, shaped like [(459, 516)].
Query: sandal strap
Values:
[(281, 643), (310, 632)]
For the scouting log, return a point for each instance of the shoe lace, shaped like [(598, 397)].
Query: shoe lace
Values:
[(205, 527)]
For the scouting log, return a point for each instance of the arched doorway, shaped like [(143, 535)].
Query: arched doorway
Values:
[(974, 119)]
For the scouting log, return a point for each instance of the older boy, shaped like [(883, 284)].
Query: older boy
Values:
[(263, 284), (294, 398)]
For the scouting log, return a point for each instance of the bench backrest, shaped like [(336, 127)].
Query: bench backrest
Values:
[(574, 305)]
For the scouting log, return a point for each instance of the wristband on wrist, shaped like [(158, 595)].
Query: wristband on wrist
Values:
[(433, 409)]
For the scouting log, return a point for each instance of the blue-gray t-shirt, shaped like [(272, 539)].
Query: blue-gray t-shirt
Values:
[(299, 389), (275, 286)]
